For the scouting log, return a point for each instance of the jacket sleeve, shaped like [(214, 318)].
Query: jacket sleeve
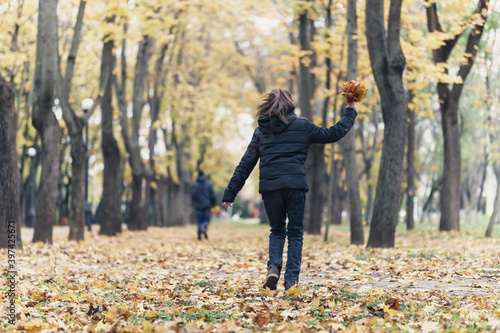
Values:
[(243, 170), (193, 193), (318, 134)]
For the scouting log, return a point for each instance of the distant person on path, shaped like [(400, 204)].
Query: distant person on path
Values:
[(203, 199), (282, 141)]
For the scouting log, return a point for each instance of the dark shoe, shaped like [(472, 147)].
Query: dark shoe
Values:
[(290, 284), (205, 234), (273, 275)]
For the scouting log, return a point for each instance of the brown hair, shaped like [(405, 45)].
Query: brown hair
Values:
[(276, 103)]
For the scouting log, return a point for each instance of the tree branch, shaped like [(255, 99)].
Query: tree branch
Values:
[(395, 53), (64, 83), (70, 65), (471, 48)]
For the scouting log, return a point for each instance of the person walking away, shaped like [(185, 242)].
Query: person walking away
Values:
[(203, 199), (282, 141)]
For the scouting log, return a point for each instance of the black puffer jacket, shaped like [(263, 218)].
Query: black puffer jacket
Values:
[(202, 194), (282, 149)]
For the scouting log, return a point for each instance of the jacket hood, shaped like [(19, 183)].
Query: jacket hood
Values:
[(201, 179), (276, 125)]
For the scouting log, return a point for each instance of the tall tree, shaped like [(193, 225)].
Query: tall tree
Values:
[(44, 120), (138, 217), (10, 209), (348, 144), (387, 62), (410, 169), (315, 164), (159, 189), (368, 153), (449, 96), (75, 126), (110, 217)]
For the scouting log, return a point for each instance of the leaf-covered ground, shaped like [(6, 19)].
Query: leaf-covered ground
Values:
[(165, 280)]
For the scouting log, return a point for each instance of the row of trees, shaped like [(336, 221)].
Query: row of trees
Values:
[(176, 76)]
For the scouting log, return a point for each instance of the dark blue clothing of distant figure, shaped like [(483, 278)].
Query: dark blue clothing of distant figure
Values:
[(203, 199), (282, 148)]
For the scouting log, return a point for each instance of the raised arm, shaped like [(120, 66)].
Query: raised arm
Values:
[(243, 170), (318, 134)]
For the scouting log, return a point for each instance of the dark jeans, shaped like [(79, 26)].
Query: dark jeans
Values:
[(279, 205), (202, 217)]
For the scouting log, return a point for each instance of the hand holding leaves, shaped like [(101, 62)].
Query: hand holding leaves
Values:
[(354, 91)]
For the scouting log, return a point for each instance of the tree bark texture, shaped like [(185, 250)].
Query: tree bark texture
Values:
[(138, 205), (306, 83), (368, 162), (316, 180), (388, 62), (410, 171), (336, 207), (77, 209), (10, 209), (449, 101), (315, 164), (158, 192), (110, 214), (485, 164), (45, 121), (179, 212), (348, 143), (75, 129)]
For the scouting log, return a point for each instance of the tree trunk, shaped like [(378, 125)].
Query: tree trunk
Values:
[(138, 205), (388, 62), (332, 195), (178, 211), (45, 121), (351, 167), (449, 99), (138, 209), (316, 179), (77, 210), (368, 161), (369, 204), (23, 184), (60, 184), (158, 192), (410, 171), (348, 143), (10, 209), (450, 192), (306, 79), (64, 206), (159, 203), (495, 216), (315, 161), (110, 216), (75, 127), (153, 193), (336, 207), (483, 180)]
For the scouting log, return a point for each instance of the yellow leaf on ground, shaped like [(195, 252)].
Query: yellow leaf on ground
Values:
[(147, 326), (150, 314), (294, 291)]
